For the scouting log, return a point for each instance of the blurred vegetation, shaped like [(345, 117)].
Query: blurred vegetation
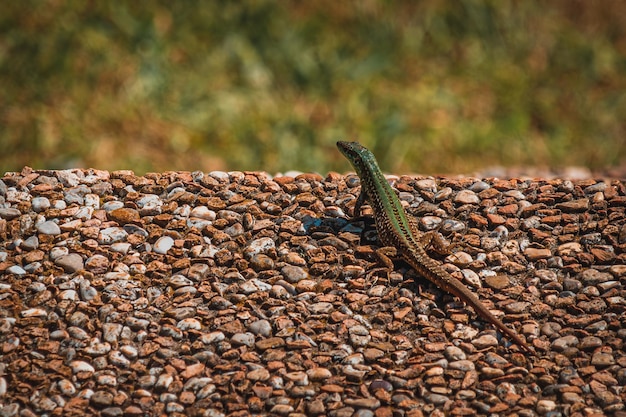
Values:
[(431, 86)]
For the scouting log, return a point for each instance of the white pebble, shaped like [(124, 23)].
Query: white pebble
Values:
[(81, 366), (163, 244), (34, 312)]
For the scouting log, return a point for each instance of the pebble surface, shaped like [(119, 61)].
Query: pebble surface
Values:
[(238, 293)]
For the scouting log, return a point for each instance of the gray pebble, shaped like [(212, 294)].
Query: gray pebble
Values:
[(81, 366), (31, 243), (261, 245), (260, 374), (101, 399), (111, 235), (163, 244), (189, 324), (564, 342), (70, 263), (68, 178), (48, 228), (466, 197), (320, 308), (87, 292), (129, 351), (121, 247), (246, 339), (111, 332), (163, 382), (9, 213), (84, 213), (92, 200), (68, 295), (58, 251), (150, 205), (112, 205), (213, 337), (59, 204), (16, 270), (261, 328), (40, 204), (66, 387), (34, 312), (294, 274), (453, 353)]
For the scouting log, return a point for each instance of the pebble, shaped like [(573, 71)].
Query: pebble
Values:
[(81, 366), (16, 270), (466, 197), (163, 244), (9, 213), (49, 228), (235, 293), (261, 328), (72, 262), (111, 235)]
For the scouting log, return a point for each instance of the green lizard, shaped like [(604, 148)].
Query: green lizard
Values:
[(395, 229)]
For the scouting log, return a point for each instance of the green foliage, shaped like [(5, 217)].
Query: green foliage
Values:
[(433, 86)]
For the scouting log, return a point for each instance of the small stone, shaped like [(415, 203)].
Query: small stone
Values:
[(565, 342), (16, 270), (81, 366), (112, 412), (213, 337), (293, 274), (34, 312), (31, 243), (246, 339), (111, 235), (534, 254), (72, 262), (261, 245), (260, 374), (121, 247), (189, 323), (163, 382), (124, 216), (545, 406), (318, 374), (66, 387), (602, 359), (261, 328), (270, 343), (485, 341), (466, 197), (9, 213), (97, 264), (193, 370), (163, 244), (261, 262), (203, 212), (49, 228), (574, 206), (111, 331), (101, 399), (149, 205), (453, 353)]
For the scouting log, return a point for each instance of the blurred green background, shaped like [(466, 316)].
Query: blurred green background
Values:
[(431, 86)]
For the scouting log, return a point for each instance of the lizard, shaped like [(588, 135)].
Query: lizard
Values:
[(399, 231)]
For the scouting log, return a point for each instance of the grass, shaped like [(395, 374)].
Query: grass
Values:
[(432, 87)]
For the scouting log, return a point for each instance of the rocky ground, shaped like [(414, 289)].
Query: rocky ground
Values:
[(215, 294)]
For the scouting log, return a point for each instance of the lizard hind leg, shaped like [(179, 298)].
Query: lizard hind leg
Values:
[(433, 240), (386, 267)]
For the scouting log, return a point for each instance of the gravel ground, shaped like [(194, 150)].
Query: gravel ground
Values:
[(214, 294)]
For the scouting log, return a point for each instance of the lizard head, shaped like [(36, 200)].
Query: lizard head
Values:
[(359, 156)]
